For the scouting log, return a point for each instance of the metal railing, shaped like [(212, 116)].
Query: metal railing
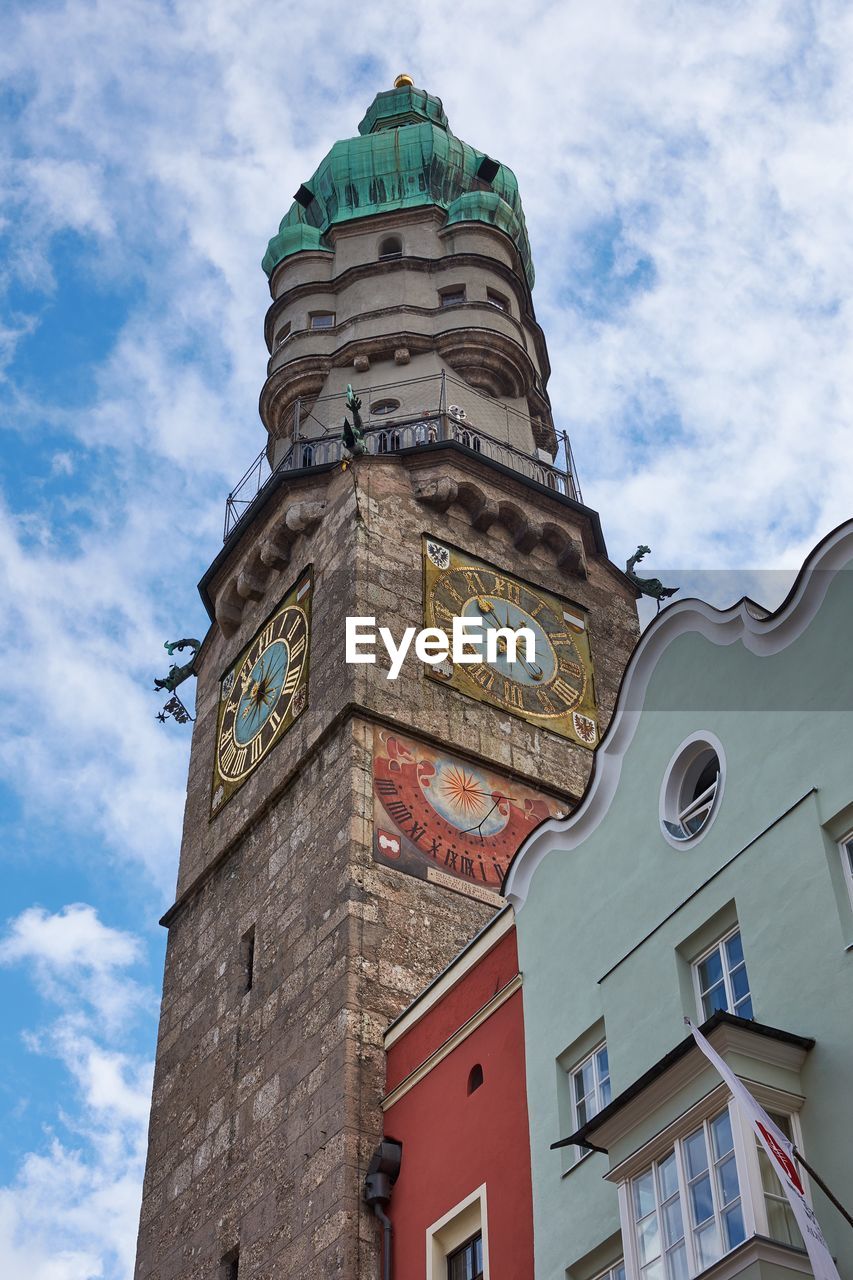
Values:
[(316, 436)]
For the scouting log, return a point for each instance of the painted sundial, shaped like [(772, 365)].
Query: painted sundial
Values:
[(445, 819)]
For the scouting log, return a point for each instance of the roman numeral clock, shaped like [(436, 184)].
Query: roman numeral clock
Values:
[(262, 692), (554, 690)]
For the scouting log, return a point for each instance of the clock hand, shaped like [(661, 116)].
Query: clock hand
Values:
[(533, 670)]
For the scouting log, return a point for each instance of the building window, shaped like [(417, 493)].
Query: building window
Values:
[(475, 1077), (846, 847), (390, 247), (616, 1272), (381, 407), (229, 1267), (691, 789), (590, 1085), (466, 1263), (497, 300), (247, 957), (283, 333), (457, 1245), (721, 978), (686, 1209), (322, 319), (781, 1223), (452, 297)]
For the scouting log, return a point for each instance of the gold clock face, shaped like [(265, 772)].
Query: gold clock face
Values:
[(262, 693), (555, 687)]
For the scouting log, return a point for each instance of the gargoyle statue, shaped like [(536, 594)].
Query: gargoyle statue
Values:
[(353, 433), (648, 586), (177, 675)]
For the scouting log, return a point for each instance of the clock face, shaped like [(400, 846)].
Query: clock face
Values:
[(552, 687), (262, 693), (447, 820)]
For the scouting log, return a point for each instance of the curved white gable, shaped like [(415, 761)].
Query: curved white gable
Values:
[(761, 635)]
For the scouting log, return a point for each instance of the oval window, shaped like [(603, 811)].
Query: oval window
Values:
[(383, 407), (691, 789)]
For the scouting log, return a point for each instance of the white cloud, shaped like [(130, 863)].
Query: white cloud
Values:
[(71, 1211)]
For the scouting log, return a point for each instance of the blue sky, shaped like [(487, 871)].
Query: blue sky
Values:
[(686, 179)]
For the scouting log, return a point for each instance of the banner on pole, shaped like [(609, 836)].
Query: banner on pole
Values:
[(780, 1153)]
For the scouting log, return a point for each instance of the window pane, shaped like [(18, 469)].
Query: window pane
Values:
[(695, 1153), (701, 1200), (721, 1133), (715, 999), (648, 1238), (644, 1195), (601, 1062), (654, 1271), (734, 950), (581, 1113), (744, 1009), (676, 1264), (605, 1093), (733, 1226), (740, 983), (708, 1244), (673, 1228), (668, 1177), (618, 1272), (781, 1223), (583, 1081), (711, 970), (727, 1180)]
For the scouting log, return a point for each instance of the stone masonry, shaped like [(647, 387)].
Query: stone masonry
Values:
[(266, 1102)]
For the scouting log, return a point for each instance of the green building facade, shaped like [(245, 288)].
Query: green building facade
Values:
[(707, 873)]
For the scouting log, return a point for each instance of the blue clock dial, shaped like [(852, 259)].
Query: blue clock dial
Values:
[(261, 689), (498, 613)]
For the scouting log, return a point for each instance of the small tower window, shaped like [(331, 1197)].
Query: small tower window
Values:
[(229, 1267), (322, 319), (497, 300), (390, 247), (283, 333), (475, 1077), (247, 958), (383, 407), (452, 297)]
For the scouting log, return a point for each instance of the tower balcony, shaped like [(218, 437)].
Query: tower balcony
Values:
[(398, 417)]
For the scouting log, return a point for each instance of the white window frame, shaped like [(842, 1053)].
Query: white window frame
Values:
[(612, 1272), (452, 1229), (581, 1152), (845, 847), (753, 1205), (719, 945), (694, 1264), (749, 1145)]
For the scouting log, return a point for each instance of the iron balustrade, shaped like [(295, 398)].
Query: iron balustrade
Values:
[(385, 434)]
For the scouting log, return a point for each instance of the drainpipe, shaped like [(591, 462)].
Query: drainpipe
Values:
[(382, 1173)]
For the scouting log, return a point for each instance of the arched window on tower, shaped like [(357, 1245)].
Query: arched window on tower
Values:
[(475, 1077), (390, 247)]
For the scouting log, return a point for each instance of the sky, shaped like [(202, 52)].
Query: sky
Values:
[(685, 170)]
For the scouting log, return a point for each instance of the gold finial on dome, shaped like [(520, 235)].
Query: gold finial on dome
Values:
[(403, 82)]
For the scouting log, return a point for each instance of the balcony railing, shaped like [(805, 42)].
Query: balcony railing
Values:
[(316, 442)]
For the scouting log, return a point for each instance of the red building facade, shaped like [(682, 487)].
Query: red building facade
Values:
[(456, 1105)]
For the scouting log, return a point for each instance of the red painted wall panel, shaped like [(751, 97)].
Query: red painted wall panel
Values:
[(463, 1000), (454, 1142)]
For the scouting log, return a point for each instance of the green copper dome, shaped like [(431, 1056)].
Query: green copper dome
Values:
[(405, 157)]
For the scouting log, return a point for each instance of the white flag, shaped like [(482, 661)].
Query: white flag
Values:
[(780, 1153)]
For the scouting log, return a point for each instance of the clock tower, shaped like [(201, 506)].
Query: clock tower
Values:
[(347, 833)]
